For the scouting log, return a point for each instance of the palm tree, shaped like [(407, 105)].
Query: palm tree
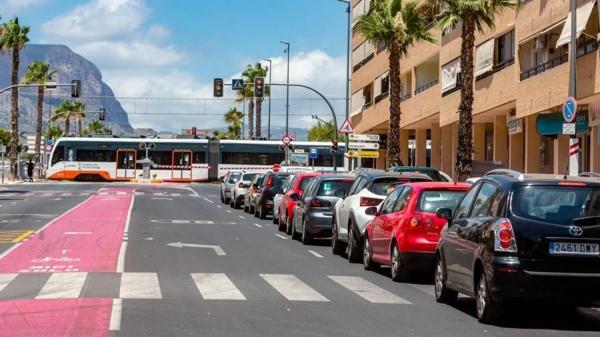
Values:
[(233, 117), (38, 72), (475, 16), (79, 114), (95, 127), (398, 24), (67, 111), (13, 38), (249, 74)]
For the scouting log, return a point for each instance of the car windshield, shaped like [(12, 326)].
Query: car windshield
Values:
[(385, 186), (431, 201), (248, 176), (329, 187), (556, 204)]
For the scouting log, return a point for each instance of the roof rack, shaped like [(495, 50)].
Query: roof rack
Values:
[(506, 172)]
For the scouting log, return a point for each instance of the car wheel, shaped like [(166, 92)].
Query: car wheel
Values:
[(262, 213), (251, 209), (276, 219), (256, 210), (337, 246), (289, 226), (295, 235), (368, 263), (306, 237), (232, 203), (442, 293), (222, 198), (488, 310), (354, 251), (399, 272), (282, 227)]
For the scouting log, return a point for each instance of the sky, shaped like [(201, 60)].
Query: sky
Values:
[(151, 49)]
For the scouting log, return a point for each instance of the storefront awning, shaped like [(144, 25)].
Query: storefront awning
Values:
[(583, 15), (484, 57), (545, 31)]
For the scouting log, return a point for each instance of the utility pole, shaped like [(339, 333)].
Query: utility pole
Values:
[(348, 79), (287, 89), (573, 140), (270, 80)]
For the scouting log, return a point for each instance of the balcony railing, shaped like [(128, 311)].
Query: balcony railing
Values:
[(544, 67), (588, 47), (381, 96), (367, 104), (497, 67), (363, 62), (426, 86)]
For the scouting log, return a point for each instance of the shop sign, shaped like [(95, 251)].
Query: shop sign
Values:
[(514, 125), (552, 124)]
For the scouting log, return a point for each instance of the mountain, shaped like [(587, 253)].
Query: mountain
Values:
[(70, 66)]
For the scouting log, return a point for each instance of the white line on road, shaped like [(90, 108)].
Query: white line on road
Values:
[(139, 285), (193, 192), (5, 279), (155, 198), (281, 236), (368, 290), (228, 211), (208, 200), (257, 225), (218, 250), (292, 288), (63, 285), (218, 206), (121, 259), (115, 315), (315, 254), (77, 233), (216, 287), (241, 217)]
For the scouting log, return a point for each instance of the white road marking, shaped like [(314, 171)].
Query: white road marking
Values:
[(56, 199), (121, 259), (218, 250), (292, 288), (77, 233), (257, 225), (218, 206), (193, 192), (140, 285), (368, 290), (5, 279), (228, 211), (128, 220), (241, 217), (115, 315), (63, 285), (155, 198), (208, 200), (315, 254), (281, 236), (216, 287)]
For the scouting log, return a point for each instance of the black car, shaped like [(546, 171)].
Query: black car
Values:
[(518, 237), (271, 185)]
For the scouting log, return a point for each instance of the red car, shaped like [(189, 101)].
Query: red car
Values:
[(290, 199), (405, 231)]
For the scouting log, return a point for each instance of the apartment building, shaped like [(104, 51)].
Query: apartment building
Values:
[(521, 82)]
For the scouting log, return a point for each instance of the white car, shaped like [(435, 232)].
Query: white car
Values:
[(227, 182), (369, 189), (238, 190), (279, 196)]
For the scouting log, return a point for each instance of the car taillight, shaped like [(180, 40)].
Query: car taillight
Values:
[(269, 182), (319, 203), (414, 222), (504, 236), (368, 202)]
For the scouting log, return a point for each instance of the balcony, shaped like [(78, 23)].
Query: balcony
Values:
[(426, 86), (421, 106), (497, 68), (381, 96), (363, 62), (541, 68)]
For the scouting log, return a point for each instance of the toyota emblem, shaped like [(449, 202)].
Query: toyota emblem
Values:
[(575, 231)]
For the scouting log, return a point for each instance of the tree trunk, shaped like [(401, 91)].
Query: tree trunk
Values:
[(14, 122), (393, 138), (38, 131), (465, 109), (251, 118), (79, 126), (258, 117), (67, 126)]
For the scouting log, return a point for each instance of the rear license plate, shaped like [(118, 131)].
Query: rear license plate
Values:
[(574, 248)]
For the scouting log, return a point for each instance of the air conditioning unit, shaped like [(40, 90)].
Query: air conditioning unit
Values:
[(540, 42)]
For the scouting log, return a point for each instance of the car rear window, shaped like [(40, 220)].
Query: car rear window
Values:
[(556, 204), (431, 201), (385, 186), (248, 176), (433, 174), (329, 187), (235, 176), (279, 179), (304, 182)]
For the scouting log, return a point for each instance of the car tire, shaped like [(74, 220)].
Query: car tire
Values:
[(441, 291), (337, 246), (262, 213), (232, 203), (398, 270), (245, 207), (222, 198), (368, 263), (281, 225), (256, 209), (251, 209), (289, 226), (276, 219), (354, 249), (295, 235), (488, 311), (306, 236)]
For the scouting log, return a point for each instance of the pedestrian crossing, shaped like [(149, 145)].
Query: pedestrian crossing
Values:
[(203, 286)]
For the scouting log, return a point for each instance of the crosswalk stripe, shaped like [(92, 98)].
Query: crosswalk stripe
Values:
[(368, 290), (293, 288), (63, 285), (5, 279), (216, 287), (140, 285)]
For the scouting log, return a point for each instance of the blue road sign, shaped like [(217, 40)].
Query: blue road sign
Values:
[(313, 154), (237, 84), (570, 110)]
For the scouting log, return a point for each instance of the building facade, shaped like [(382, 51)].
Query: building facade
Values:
[(521, 83)]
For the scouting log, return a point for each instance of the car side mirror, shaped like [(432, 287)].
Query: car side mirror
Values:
[(340, 193), (371, 211), (295, 196), (444, 213)]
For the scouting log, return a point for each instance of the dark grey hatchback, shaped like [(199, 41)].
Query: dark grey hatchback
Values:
[(518, 237)]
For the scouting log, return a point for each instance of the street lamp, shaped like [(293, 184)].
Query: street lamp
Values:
[(287, 88), (348, 79), (269, 119), (319, 119)]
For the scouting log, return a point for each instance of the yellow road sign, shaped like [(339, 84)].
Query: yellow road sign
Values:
[(362, 154)]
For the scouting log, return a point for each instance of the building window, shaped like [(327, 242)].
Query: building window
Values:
[(546, 151), (361, 8), (489, 141), (505, 48)]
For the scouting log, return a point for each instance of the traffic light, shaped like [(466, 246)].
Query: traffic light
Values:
[(259, 87), (334, 146), (218, 87), (194, 131), (102, 114), (75, 88)]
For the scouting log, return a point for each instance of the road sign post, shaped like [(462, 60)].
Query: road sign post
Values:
[(569, 112)]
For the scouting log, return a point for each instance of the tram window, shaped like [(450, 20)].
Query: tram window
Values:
[(96, 155), (160, 157), (251, 158), (59, 154), (199, 157)]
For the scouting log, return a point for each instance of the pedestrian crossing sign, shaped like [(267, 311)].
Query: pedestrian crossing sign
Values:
[(237, 84), (346, 127)]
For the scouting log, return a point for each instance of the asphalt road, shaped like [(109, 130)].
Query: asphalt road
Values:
[(249, 279)]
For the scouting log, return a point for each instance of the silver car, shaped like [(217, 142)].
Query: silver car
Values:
[(227, 183), (240, 188)]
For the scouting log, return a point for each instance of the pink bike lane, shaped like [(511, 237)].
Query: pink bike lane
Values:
[(87, 238)]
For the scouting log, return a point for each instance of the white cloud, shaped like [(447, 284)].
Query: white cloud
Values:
[(158, 32), (128, 54), (16, 7)]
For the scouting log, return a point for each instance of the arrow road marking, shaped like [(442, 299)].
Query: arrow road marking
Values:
[(216, 248)]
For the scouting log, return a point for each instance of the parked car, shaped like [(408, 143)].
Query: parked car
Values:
[(279, 197), (227, 183), (432, 172), (240, 188), (406, 229), (251, 192), (271, 185), (313, 213), (290, 198), (369, 189), (522, 237)]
